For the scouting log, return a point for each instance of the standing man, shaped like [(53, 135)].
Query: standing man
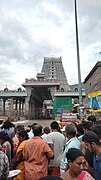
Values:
[(72, 142), (37, 154), (46, 132), (56, 140), (93, 144)]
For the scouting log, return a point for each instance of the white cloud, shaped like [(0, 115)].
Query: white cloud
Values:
[(51, 8), (31, 30)]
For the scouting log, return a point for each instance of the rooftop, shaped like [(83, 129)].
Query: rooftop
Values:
[(98, 64), (37, 83)]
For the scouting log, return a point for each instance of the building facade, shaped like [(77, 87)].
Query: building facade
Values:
[(92, 81), (39, 92), (93, 84)]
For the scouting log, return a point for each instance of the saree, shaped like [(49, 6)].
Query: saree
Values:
[(85, 176), (6, 148), (20, 166)]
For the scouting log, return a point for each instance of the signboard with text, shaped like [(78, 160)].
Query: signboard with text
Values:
[(69, 117)]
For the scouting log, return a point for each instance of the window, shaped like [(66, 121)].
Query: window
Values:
[(62, 89), (76, 89)]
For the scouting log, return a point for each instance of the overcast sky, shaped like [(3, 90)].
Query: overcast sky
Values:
[(33, 29)]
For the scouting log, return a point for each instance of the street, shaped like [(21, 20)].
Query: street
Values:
[(45, 122)]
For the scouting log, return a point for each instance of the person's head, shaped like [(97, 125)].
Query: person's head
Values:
[(22, 135), (5, 137), (34, 124), (91, 141), (46, 129), (86, 126), (7, 124), (18, 128), (91, 118), (75, 160), (70, 130), (80, 130), (37, 130), (54, 126), (96, 128), (50, 178)]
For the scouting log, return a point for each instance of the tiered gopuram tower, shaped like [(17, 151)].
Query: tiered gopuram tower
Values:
[(54, 72)]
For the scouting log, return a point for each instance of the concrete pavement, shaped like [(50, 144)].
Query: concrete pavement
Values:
[(43, 122)]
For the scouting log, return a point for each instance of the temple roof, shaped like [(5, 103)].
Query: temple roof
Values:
[(40, 84)]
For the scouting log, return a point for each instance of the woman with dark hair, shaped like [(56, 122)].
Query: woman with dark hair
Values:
[(9, 128), (15, 138), (76, 163), (19, 160), (6, 145)]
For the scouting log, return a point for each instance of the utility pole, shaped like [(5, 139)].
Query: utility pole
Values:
[(78, 57)]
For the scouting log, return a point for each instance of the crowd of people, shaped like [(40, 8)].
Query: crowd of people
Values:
[(45, 153)]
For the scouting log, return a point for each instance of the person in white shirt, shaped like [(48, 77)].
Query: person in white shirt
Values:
[(46, 132), (30, 133), (72, 142), (56, 140)]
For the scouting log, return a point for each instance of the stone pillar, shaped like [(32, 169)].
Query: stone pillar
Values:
[(22, 107), (19, 107), (4, 106), (55, 89), (16, 107), (33, 108), (27, 102), (12, 105), (43, 110)]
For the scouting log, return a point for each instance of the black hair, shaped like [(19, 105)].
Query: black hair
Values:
[(74, 124), (23, 133), (91, 137), (73, 153), (7, 124), (80, 130), (51, 178), (59, 129), (54, 125), (37, 130), (92, 118), (34, 124), (19, 128), (46, 129), (87, 125), (5, 137), (96, 128)]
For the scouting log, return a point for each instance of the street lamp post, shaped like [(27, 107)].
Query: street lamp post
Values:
[(78, 57)]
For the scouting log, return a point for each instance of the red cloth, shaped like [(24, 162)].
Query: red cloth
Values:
[(81, 175), (55, 171)]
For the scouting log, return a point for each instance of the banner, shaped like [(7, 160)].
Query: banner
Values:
[(94, 101)]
